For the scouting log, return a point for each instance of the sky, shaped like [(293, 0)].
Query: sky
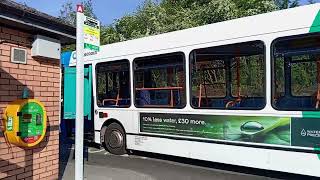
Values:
[(106, 10)]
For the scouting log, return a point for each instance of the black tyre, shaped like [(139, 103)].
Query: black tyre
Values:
[(115, 139)]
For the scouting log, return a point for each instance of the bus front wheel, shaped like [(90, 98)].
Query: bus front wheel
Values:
[(115, 139)]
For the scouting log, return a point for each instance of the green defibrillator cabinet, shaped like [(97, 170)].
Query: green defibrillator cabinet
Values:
[(25, 122)]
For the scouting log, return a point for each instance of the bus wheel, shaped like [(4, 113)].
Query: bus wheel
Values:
[(115, 139)]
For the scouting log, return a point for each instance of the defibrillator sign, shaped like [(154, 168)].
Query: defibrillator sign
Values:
[(10, 124)]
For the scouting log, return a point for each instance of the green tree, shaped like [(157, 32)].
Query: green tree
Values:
[(68, 14), (154, 17), (285, 4), (68, 11), (311, 1)]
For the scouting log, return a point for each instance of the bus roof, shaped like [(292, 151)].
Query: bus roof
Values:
[(277, 21)]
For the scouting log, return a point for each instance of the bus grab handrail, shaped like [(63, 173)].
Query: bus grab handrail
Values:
[(162, 88)]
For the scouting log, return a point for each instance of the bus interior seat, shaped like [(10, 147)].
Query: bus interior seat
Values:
[(220, 103), (256, 102), (158, 98), (295, 102), (144, 98)]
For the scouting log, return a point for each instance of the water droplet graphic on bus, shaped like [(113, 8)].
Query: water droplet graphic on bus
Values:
[(251, 127)]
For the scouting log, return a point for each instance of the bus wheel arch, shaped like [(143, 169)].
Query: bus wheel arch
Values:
[(113, 137)]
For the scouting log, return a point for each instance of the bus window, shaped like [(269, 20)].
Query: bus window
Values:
[(296, 73), (113, 84), (159, 81), (229, 76), (247, 74)]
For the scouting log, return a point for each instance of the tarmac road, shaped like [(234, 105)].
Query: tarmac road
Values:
[(100, 164)]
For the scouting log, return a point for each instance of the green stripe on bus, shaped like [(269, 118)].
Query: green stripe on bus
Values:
[(311, 114), (315, 27), (318, 151)]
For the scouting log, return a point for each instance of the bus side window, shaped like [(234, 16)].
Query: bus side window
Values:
[(113, 84), (296, 73), (159, 81), (229, 76)]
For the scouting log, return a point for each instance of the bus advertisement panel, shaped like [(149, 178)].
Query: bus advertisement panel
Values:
[(267, 130)]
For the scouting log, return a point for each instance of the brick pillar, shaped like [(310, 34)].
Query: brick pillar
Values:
[(42, 78)]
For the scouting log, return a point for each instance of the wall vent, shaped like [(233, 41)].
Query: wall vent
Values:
[(18, 55)]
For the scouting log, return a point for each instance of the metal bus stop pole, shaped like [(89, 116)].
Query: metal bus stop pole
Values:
[(79, 96)]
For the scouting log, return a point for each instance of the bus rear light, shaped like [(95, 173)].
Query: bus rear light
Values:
[(103, 115)]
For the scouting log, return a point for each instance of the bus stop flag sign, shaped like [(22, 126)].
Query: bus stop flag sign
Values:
[(91, 30)]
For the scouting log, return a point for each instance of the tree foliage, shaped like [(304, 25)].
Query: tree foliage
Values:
[(161, 16), (154, 17), (311, 1), (68, 14), (285, 4), (68, 11)]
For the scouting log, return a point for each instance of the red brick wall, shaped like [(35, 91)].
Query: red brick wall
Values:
[(42, 78)]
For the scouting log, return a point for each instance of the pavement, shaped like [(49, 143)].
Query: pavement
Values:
[(101, 165)]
